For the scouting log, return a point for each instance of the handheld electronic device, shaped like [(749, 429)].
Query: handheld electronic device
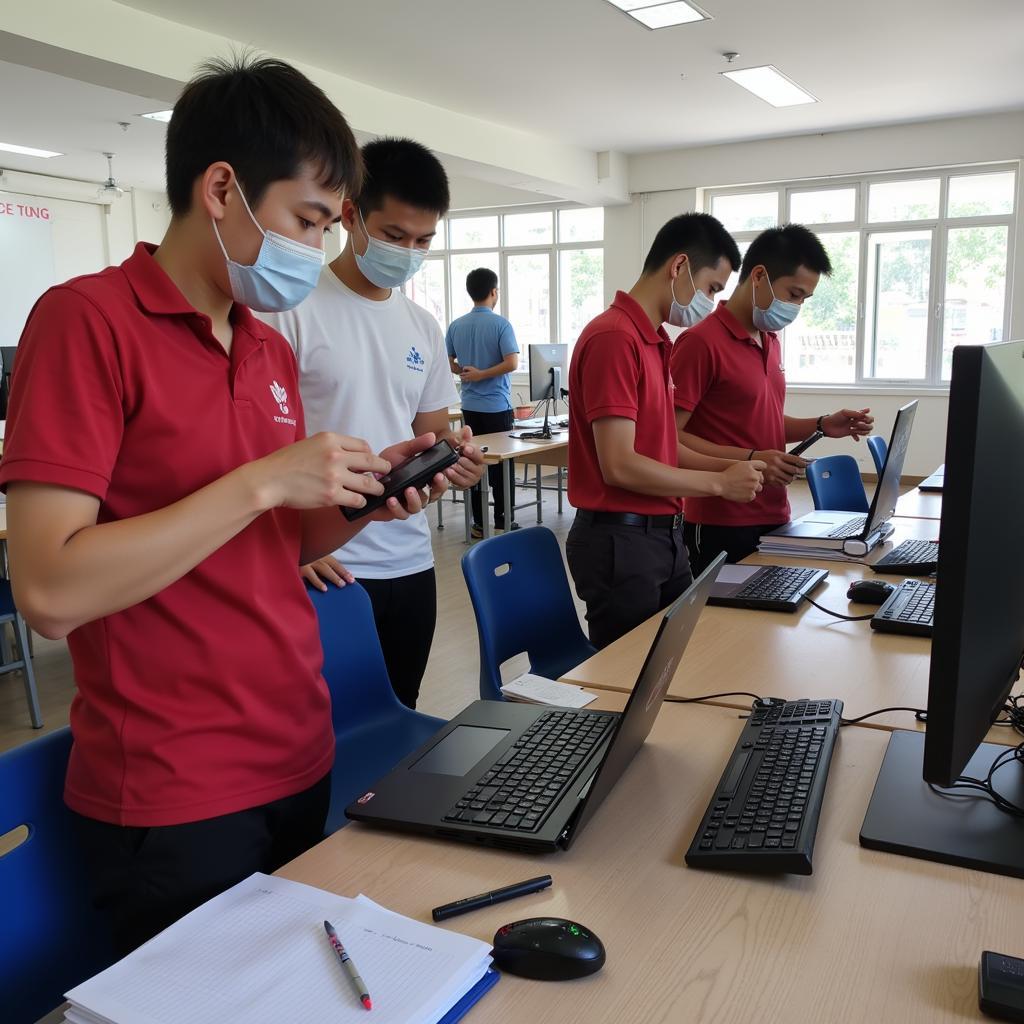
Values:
[(1001, 986), (806, 443), (416, 471), (548, 949)]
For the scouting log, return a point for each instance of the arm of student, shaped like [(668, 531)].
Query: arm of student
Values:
[(470, 467), (508, 365), (71, 570), (855, 423), (453, 363)]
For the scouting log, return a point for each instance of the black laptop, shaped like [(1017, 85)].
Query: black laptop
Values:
[(524, 777)]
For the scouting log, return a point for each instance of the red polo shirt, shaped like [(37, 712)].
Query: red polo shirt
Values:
[(620, 367), (206, 698), (736, 391)]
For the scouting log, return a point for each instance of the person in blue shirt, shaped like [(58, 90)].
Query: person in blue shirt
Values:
[(483, 352)]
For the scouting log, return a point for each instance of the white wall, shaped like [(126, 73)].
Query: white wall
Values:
[(666, 183)]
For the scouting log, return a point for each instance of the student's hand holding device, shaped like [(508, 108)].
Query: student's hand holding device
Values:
[(467, 471), (781, 468), (399, 453), (325, 469), (855, 423), (329, 569), (742, 481)]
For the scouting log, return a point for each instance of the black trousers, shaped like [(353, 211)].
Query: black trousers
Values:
[(405, 610), (705, 542), (489, 423), (144, 879), (624, 573)]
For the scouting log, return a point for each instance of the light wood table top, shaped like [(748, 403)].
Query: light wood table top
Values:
[(805, 654), (870, 937), (918, 504), (501, 447)]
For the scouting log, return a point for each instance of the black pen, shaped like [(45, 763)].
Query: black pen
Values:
[(486, 899)]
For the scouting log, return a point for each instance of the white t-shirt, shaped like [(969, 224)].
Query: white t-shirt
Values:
[(366, 369)]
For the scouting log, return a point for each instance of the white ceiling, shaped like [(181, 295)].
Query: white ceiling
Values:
[(584, 73)]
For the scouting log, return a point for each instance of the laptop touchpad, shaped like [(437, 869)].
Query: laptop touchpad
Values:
[(459, 750)]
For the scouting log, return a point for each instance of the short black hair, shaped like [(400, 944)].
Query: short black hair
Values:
[(267, 120), (783, 250), (480, 283), (703, 238), (406, 170)]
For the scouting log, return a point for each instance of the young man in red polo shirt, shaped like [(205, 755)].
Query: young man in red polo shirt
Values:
[(730, 389), (627, 471), (162, 493)]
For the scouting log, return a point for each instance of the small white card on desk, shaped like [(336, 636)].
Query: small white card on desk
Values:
[(538, 690)]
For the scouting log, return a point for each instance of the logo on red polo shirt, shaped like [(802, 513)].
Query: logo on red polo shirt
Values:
[(281, 397)]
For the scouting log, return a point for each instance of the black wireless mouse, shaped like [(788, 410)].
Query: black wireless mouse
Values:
[(548, 949), (869, 591)]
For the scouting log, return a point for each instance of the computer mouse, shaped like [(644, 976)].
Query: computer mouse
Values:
[(869, 591), (548, 949)]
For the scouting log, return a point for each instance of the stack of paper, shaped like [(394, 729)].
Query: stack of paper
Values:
[(258, 953), (533, 689)]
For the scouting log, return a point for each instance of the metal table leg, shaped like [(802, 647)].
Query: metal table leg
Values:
[(509, 471)]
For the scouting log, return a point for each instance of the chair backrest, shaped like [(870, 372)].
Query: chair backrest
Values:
[(50, 936), (879, 449), (353, 661), (836, 484), (522, 602)]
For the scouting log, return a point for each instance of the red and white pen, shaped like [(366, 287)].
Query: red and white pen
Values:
[(350, 968)]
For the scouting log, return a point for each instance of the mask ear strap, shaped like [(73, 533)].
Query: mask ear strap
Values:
[(248, 210), (220, 242)]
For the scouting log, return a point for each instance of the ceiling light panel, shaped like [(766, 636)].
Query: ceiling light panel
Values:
[(771, 85), (10, 147), (159, 115), (659, 14)]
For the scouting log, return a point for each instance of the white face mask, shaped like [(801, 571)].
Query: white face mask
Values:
[(698, 308), (777, 316), (387, 265)]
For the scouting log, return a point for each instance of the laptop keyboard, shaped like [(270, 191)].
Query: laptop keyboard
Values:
[(517, 791), (910, 553), (778, 583), (851, 528)]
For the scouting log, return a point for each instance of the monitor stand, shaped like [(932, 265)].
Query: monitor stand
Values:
[(952, 826)]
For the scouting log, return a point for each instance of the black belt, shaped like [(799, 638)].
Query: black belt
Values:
[(631, 519)]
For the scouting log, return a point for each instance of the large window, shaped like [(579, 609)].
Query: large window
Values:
[(549, 262), (921, 263)]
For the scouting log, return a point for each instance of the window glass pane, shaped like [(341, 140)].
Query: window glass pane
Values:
[(426, 289), (826, 206), (975, 289), (821, 345), (898, 305), (529, 229), (473, 232), (730, 285), (528, 298), (581, 291), (904, 200), (461, 266), (581, 225), (979, 195), (747, 211), (438, 242)]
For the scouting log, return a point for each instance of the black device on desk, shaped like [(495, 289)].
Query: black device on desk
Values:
[(777, 588), (909, 609), (869, 591), (910, 558), (764, 814), (548, 949), (524, 777), (923, 804), (1001, 986), (417, 471), (933, 484)]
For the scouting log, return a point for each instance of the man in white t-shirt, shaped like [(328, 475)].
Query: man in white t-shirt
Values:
[(373, 364)]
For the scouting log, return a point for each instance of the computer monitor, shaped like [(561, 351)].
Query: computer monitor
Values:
[(978, 637), (549, 372)]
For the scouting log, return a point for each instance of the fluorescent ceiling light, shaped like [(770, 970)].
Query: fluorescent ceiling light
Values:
[(659, 14), (9, 147), (770, 85), (159, 115)]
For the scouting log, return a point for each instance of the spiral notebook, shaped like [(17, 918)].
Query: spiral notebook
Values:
[(258, 953)]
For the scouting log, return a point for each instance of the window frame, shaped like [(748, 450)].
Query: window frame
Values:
[(938, 226)]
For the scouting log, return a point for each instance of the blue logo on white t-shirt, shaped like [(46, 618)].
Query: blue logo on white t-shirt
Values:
[(414, 360)]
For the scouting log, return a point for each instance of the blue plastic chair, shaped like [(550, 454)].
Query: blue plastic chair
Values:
[(23, 661), (522, 602), (879, 449), (836, 484), (373, 729), (51, 938)]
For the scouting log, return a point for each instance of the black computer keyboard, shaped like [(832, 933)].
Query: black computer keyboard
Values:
[(764, 814), (850, 528), (911, 558), (778, 583), (519, 789), (910, 608)]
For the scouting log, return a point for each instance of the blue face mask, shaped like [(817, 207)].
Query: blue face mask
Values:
[(284, 273), (777, 316), (387, 265), (699, 307)]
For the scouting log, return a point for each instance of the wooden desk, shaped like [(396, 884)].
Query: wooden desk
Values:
[(504, 450), (917, 504), (806, 654), (870, 937)]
